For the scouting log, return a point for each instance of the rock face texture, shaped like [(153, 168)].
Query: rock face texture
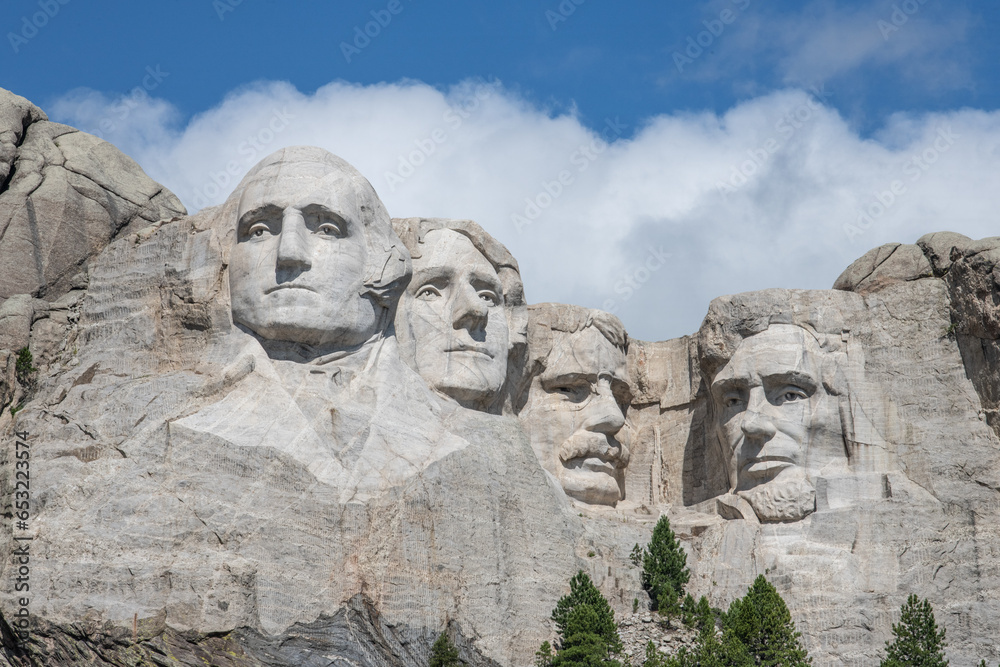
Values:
[(290, 430), (64, 195)]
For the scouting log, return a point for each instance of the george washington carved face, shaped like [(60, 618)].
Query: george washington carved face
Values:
[(311, 235)]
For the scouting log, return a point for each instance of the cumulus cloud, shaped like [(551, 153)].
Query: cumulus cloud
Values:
[(651, 222)]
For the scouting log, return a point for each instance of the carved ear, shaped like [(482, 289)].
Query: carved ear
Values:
[(386, 281), (518, 325)]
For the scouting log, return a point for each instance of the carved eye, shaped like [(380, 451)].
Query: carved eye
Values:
[(427, 293), (791, 394), (258, 229), (571, 392), (732, 401), (490, 297), (329, 229)]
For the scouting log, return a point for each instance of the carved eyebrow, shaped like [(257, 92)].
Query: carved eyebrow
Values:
[(483, 279), (323, 209), (431, 273), (728, 384), (567, 378), (797, 378), (255, 213)]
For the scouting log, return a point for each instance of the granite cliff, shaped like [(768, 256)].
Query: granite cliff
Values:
[(289, 430)]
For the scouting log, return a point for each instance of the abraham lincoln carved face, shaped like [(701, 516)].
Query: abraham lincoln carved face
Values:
[(775, 410)]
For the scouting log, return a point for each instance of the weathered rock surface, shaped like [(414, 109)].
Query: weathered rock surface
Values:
[(194, 499), (211, 537), (64, 195), (640, 628)]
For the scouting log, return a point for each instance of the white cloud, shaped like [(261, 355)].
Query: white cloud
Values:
[(785, 224), (825, 40)]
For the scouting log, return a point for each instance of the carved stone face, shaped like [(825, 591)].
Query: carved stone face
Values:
[(452, 324), (780, 424), (574, 412), (297, 269)]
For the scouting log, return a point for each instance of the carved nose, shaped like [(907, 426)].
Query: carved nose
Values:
[(603, 414), (293, 246), (757, 427), (468, 310)]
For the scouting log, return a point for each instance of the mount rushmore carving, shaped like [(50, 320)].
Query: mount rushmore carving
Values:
[(290, 426)]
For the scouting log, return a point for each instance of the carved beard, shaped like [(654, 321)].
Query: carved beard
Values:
[(782, 500)]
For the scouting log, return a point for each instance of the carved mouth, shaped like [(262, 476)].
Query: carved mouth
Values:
[(591, 464), (467, 347), (767, 464), (288, 286)]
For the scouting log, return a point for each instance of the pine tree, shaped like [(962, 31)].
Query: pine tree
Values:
[(918, 642), (704, 616), (713, 651), (654, 658), (582, 645), (543, 656), (664, 571), (444, 653), (762, 623), (587, 629)]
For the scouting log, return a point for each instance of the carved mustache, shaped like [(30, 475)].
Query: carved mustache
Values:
[(588, 444)]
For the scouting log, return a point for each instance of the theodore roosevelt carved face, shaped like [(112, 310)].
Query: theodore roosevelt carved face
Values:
[(775, 411), (576, 400), (316, 261)]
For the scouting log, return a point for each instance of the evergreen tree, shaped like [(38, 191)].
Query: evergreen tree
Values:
[(444, 653), (689, 610), (664, 571), (587, 629), (543, 656), (762, 623), (713, 651), (704, 616), (918, 642), (654, 658), (582, 645)]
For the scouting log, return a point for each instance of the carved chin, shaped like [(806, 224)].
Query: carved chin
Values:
[(782, 500), (593, 488)]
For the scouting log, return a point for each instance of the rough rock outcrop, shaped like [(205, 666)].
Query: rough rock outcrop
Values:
[(241, 484), (64, 195)]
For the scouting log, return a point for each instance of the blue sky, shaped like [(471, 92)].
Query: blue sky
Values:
[(684, 94)]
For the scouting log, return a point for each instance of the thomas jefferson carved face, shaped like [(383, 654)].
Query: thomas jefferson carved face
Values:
[(779, 420), (451, 324), (574, 412), (296, 273)]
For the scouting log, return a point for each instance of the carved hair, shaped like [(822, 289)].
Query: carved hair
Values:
[(546, 321)]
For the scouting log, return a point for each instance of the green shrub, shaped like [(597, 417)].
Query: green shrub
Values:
[(23, 368), (444, 653)]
